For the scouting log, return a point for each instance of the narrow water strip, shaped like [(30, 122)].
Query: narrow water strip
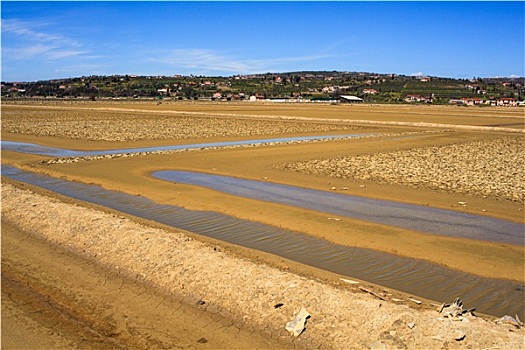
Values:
[(408, 216), (492, 296), (31, 148)]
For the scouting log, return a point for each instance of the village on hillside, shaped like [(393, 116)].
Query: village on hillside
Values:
[(325, 86)]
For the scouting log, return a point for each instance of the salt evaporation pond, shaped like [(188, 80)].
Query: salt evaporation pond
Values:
[(492, 296)]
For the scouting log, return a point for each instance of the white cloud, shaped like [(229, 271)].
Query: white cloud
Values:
[(59, 54), (33, 31), (83, 69), (25, 40), (204, 60), (26, 51)]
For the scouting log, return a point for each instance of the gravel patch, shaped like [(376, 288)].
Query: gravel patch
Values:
[(251, 295), (491, 168)]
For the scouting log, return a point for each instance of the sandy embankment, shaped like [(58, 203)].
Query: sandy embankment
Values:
[(245, 291)]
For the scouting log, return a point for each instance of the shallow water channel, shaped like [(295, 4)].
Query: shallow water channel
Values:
[(413, 217), (491, 296), (31, 148)]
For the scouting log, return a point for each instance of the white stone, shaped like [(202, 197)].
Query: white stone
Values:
[(296, 326)]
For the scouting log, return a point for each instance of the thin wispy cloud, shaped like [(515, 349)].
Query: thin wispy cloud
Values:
[(92, 68), (25, 40), (27, 30), (26, 51), (205, 60)]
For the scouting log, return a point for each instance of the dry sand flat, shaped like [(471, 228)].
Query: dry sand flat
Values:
[(266, 162), (494, 168), (101, 125), (53, 298)]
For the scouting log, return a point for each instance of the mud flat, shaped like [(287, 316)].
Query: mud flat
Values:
[(247, 296)]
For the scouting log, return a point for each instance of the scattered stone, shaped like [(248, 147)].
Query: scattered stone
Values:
[(297, 325), (419, 302), (459, 335), (377, 295), (378, 345), (96, 125), (278, 305), (452, 310), (202, 340), (485, 168), (411, 325), (510, 320), (349, 281)]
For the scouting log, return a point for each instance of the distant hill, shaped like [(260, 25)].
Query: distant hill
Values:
[(305, 85)]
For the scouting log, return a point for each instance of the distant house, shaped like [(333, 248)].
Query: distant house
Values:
[(328, 89), (350, 99), (472, 101), (417, 98), (507, 101), (456, 101), (254, 98), (370, 91)]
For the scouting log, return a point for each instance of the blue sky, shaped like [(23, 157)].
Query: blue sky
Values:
[(46, 40)]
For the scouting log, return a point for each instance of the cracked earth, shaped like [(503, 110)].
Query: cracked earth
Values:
[(55, 299)]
